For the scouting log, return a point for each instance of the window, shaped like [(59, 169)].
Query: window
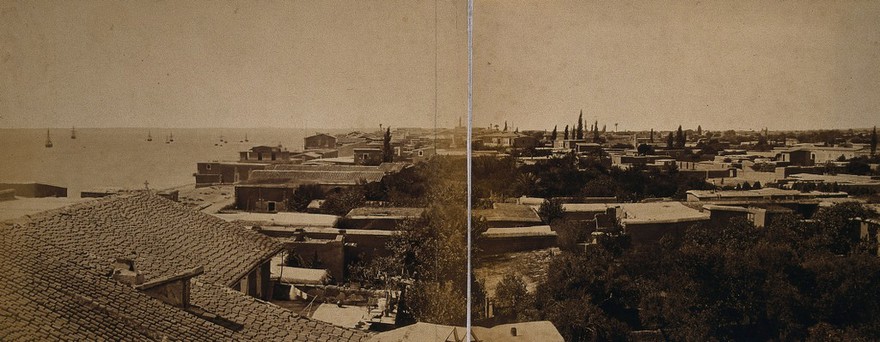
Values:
[(270, 207), (421, 153), (207, 166)]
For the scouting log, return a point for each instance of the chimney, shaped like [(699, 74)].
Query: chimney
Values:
[(124, 271)]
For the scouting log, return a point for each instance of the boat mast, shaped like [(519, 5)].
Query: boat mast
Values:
[(48, 139)]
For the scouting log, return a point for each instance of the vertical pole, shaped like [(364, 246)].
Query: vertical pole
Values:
[(470, 110)]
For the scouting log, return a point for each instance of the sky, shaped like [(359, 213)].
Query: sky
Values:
[(659, 64), (725, 64), (297, 64)]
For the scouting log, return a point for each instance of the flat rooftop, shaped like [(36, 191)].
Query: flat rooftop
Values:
[(660, 212), (519, 232), (282, 219), (838, 178), (384, 212), (509, 212)]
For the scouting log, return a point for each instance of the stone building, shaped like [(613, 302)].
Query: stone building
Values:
[(319, 141)]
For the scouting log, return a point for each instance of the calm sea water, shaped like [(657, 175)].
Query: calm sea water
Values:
[(121, 157)]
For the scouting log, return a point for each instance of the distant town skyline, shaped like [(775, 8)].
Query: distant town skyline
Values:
[(658, 64)]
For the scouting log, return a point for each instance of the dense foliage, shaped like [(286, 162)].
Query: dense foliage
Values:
[(429, 254), (571, 176), (793, 280)]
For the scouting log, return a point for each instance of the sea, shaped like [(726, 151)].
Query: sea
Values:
[(107, 158)]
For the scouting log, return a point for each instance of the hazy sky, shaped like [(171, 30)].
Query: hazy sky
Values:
[(657, 64), (339, 64), (230, 64)]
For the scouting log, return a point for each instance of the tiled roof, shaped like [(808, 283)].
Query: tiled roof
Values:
[(55, 289), (165, 237), (50, 293), (267, 322)]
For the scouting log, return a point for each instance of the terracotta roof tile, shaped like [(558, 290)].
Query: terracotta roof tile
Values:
[(55, 271)]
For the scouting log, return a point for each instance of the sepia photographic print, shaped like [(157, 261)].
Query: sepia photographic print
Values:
[(444, 170)]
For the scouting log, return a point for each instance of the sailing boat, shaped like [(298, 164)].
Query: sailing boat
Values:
[(171, 137), (48, 140), (73, 132), (149, 136), (245, 137)]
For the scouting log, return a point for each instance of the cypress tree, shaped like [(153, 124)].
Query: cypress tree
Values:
[(699, 131), (565, 133), (553, 134), (669, 141), (679, 138), (387, 152), (652, 135), (874, 142), (505, 125), (580, 125)]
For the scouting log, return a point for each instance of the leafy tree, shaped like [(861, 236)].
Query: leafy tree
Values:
[(762, 144), (645, 149), (551, 210), (305, 194), (341, 202), (511, 296), (387, 151), (858, 166)]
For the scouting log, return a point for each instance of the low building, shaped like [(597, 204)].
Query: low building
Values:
[(649, 222), (265, 153), (796, 157), (382, 218), (367, 156), (536, 331), (319, 141), (504, 215), (422, 154), (35, 190), (498, 139), (215, 173), (757, 195), (272, 190), (759, 216), (518, 239), (843, 182)]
